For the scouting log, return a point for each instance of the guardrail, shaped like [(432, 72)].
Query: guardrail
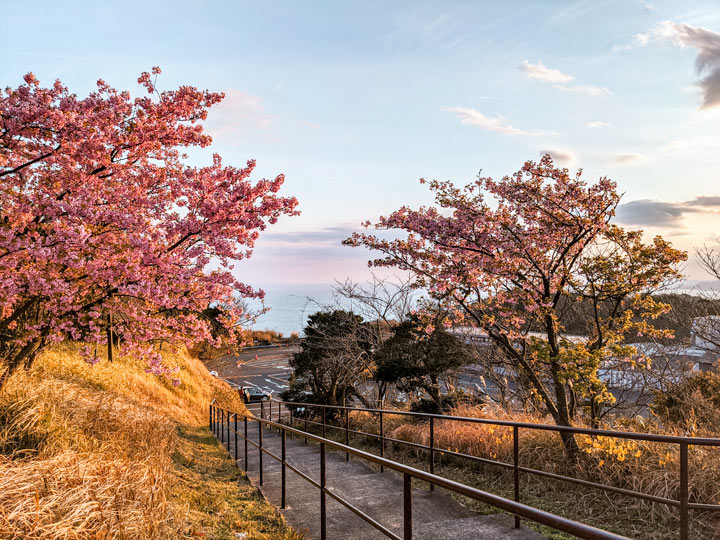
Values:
[(682, 503), (221, 425)]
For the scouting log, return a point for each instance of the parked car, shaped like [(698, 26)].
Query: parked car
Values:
[(255, 394), (214, 373)]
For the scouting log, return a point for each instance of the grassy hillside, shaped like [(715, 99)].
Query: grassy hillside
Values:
[(113, 452)]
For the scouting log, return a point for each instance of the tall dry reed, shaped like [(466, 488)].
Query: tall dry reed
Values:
[(648, 467), (85, 452)]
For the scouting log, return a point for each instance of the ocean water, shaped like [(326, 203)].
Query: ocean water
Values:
[(290, 306)]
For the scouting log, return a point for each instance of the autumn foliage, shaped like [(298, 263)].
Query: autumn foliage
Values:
[(101, 218)]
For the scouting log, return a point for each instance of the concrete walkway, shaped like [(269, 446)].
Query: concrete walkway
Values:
[(435, 515)]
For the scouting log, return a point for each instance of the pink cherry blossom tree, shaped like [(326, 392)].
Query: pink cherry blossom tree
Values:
[(106, 231), (516, 267)]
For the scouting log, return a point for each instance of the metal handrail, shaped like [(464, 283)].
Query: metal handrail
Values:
[(682, 503), (652, 437), (520, 510)]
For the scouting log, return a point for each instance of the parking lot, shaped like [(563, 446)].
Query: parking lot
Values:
[(265, 368)]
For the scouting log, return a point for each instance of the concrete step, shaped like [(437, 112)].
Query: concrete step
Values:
[(336, 471), (494, 527), (372, 495), (430, 522), (436, 515)]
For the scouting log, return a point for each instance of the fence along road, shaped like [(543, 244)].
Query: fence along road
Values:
[(348, 500)]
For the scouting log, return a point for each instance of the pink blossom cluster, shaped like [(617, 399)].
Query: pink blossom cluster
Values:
[(100, 214), (508, 261)]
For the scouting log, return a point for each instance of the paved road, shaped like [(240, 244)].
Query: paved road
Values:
[(265, 368)]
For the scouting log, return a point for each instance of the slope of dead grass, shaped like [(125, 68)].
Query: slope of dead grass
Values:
[(648, 467), (110, 451)]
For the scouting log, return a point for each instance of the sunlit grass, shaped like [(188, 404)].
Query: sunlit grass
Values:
[(647, 467), (110, 451)]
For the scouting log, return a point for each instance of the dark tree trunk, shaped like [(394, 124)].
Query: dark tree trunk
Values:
[(434, 391), (563, 418), (13, 358)]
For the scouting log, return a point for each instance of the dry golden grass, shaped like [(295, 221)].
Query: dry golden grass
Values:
[(106, 452), (651, 468), (264, 335), (226, 504)]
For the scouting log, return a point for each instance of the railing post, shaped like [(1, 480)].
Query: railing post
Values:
[(323, 422), (407, 507), (236, 451), (260, 450), (347, 433), (432, 449), (228, 431), (282, 481), (306, 415), (246, 442), (210, 410), (262, 409), (516, 469), (683, 491), (222, 430), (382, 440), (323, 514)]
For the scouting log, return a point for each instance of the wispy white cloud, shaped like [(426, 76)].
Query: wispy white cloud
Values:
[(640, 39), (648, 7), (559, 79), (468, 115), (588, 89), (325, 236), (665, 213), (237, 112), (597, 124), (541, 73), (625, 158), (707, 44), (561, 156), (702, 144)]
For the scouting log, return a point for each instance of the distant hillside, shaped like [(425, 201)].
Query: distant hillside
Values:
[(113, 452), (685, 307)]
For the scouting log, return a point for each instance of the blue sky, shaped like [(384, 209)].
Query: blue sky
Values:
[(355, 101)]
